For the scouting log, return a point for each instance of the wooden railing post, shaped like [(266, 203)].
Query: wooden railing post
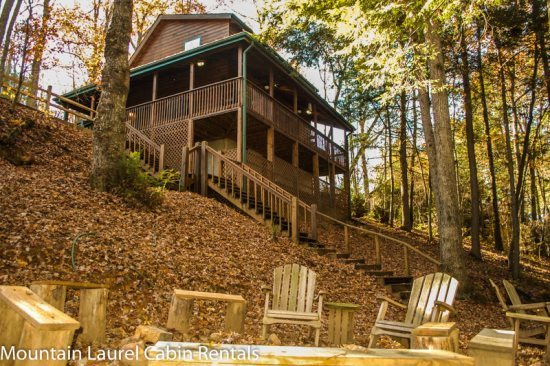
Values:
[(48, 98), (184, 167), (346, 239), (407, 265), (196, 168), (161, 157), (377, 249), (294, 219), (204, 169), (314, 221)]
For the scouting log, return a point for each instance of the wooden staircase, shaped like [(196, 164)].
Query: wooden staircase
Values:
[(207, 170), (151, 154)]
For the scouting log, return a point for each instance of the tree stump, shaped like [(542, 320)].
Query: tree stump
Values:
[(493, 347), (53, 294), (234, 317), (441, 336), (179, 317), (93, 314)]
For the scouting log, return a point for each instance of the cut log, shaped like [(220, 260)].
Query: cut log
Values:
[(234, 317), (53, 294), (179, 317), (93, 314)]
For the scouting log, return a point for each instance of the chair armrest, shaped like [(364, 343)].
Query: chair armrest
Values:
[(392, 301), (266, 289), (445, 306), (534, 306)]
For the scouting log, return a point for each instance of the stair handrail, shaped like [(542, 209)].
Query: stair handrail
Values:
[(287, 197), (158, 149), (267, 181), (383, 236)]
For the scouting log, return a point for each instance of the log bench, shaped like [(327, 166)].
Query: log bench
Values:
[(92, 312), (27, 322), (283, 355), (181, 309)]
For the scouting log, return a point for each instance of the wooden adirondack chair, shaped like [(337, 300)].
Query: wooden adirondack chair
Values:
[(526, 334), (431, 300), (292, 303)]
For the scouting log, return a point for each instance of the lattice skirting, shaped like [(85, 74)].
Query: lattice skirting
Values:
[(174, 137)]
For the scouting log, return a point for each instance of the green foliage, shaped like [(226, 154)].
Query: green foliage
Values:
[(358, 206), (133, 184), (168, 178)]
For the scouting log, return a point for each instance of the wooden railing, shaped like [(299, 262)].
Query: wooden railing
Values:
[(406, 247), (285, 120), (150, 152), (47, 101), (197, 103)]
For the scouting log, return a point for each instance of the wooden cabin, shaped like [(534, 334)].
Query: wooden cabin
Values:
[(205, 77)]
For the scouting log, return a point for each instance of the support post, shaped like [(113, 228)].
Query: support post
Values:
[(190, 133), (204, 170), (315, 164), (184, 168), (179, 316), (314, 221), (93, 314), (197, 169), (152, 121), (332, 181), (191, 122), (294, 219), (295, 102), (407, 263), (295, 164), (377, 250), (234, 317), (270, 144), (48, 98), (92, 103), (346, 239), (161, 158)]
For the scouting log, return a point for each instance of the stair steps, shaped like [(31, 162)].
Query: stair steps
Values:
[(379, 273), (353, 260), (368, 267), (343, 255)]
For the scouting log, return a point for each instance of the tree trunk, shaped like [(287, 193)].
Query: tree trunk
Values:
[(390, 156), (414, 152), (513, 253), (450, 232), (4, 17), (6, 44), (540, 31), (534, 193), (403, 162), (499, 246), (364, 169), (36, 66), (470, 142), (109, 129)]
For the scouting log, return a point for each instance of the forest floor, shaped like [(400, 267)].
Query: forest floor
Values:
[(189, 242)]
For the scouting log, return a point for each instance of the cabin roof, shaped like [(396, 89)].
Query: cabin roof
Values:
[(233, 39)]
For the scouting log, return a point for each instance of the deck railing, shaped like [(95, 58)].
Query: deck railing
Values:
[(151, 154), (285, 120), (200, 102)]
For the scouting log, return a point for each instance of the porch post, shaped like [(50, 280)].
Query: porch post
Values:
[(332, 183), (270, 149), (271, 93), (295, 101), (315, 164), (152, 121), (190, 122), (296, 164), (239, 110), (347, 185)]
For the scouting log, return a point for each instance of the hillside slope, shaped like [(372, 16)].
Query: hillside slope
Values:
[(190, 242)]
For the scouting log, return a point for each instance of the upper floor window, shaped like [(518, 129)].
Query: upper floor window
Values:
[(192, 43)]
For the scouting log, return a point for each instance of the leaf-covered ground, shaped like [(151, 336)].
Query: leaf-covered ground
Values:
[(190, 242)]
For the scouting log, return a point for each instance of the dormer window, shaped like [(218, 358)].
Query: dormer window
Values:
[(192, 43)]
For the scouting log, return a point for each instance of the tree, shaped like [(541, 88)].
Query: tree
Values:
[(109, 130), (38, 51), (7, 41)]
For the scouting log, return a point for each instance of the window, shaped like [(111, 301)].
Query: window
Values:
[(192, 43)]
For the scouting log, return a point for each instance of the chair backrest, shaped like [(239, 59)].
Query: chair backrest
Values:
[(501, 299), (512, 294), (293, 288), (425, 292)]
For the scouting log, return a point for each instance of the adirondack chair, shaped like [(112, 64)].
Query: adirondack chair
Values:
[(431, 300), (292, 302), (527, 334)]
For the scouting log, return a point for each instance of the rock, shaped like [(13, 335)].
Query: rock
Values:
[(132, 339), (82, 362), (133, 354), (216, 337), (274, 340), (152, 334)]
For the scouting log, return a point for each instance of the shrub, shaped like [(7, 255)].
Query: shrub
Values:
[(135, 185)]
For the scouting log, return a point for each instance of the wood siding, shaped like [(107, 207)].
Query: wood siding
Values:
[(170, 35)]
